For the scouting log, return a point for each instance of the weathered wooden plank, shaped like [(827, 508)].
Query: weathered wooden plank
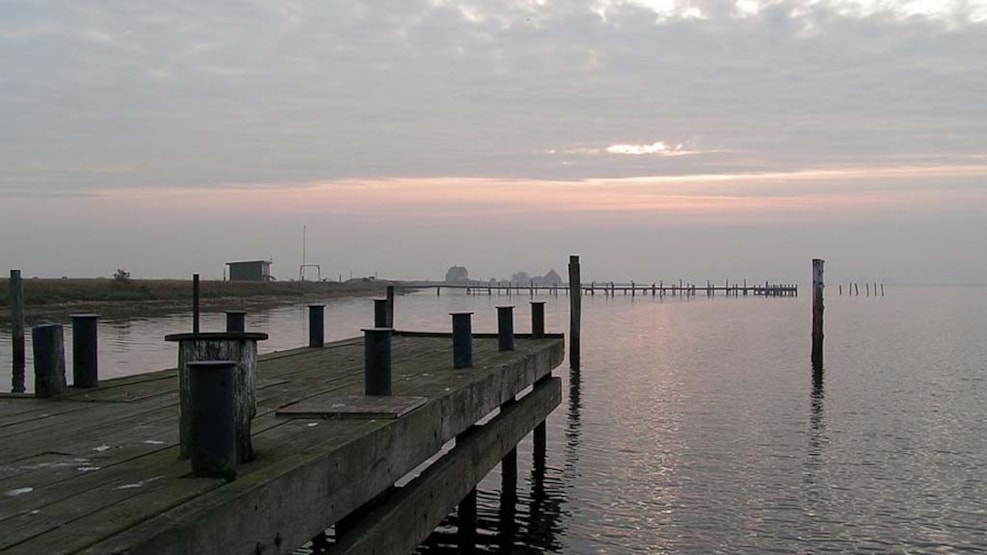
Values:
[(352, 406), (410, 513)]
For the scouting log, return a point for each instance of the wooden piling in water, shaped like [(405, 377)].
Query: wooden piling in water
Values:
[(575, 308), (49, 360), (17, 331), (817, 312), (195, 303)]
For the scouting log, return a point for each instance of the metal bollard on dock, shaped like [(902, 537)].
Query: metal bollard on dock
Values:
[(236, 321), (462, 339), (212, 435), (377, 361), (85, 337), (537, 319), (380, 313), (316, 325), (505, 328)]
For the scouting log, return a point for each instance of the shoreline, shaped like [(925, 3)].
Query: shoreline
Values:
[(57, 299)]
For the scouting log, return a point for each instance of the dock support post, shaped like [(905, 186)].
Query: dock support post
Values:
[(817, 311), (466, 520), (575, 308), (85, 337), (212, 434), (508, 499), (537, 319), (380, 313), (505, 328), (49, 360), (236, 321), (462, 339), (390, 307), (377, 361), (538, 450), (17, 332), (195, 303), (316, 325)]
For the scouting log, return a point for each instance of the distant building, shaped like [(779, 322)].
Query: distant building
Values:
[(551, 278), (250, 270), (457, 274)]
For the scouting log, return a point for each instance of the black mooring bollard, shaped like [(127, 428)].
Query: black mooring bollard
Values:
[(380, 313), (462, 339), (212, 437), (85, 371), (537, 319), (505, 328), (236, 321), (390, 306), (49, 360), (316, 325), (377, 361)]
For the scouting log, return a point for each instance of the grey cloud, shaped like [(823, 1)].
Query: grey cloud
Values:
[(203, 94)]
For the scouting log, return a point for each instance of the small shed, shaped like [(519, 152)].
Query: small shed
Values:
[(250, 270)]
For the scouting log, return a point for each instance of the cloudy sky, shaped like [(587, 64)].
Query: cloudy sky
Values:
[(659, 139)]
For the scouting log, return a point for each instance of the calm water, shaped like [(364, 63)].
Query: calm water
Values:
[(695, 426)]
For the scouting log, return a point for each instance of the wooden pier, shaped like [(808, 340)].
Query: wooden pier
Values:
[(98, 470), (655, 289)]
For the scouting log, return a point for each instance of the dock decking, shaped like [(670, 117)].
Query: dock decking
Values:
[(98, 471)]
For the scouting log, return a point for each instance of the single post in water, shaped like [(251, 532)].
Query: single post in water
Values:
[(195, 303), (377, 361), (212, 432), (316, 325), (817, 311), (462, 339), (17, 331), (505, 328), (390, 307), (575, 308), (537, 319), (236, 321), (49, 360), (85, 365)]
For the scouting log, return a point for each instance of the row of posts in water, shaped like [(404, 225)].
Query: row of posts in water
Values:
[(853, 289)]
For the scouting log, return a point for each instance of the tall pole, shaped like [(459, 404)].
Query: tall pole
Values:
[(575, 307), (17, 330), (195, 303), (817, 312)]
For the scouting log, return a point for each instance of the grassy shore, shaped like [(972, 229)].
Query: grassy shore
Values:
[(56, 298)]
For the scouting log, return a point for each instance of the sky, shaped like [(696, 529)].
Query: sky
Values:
[(657, 139)]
